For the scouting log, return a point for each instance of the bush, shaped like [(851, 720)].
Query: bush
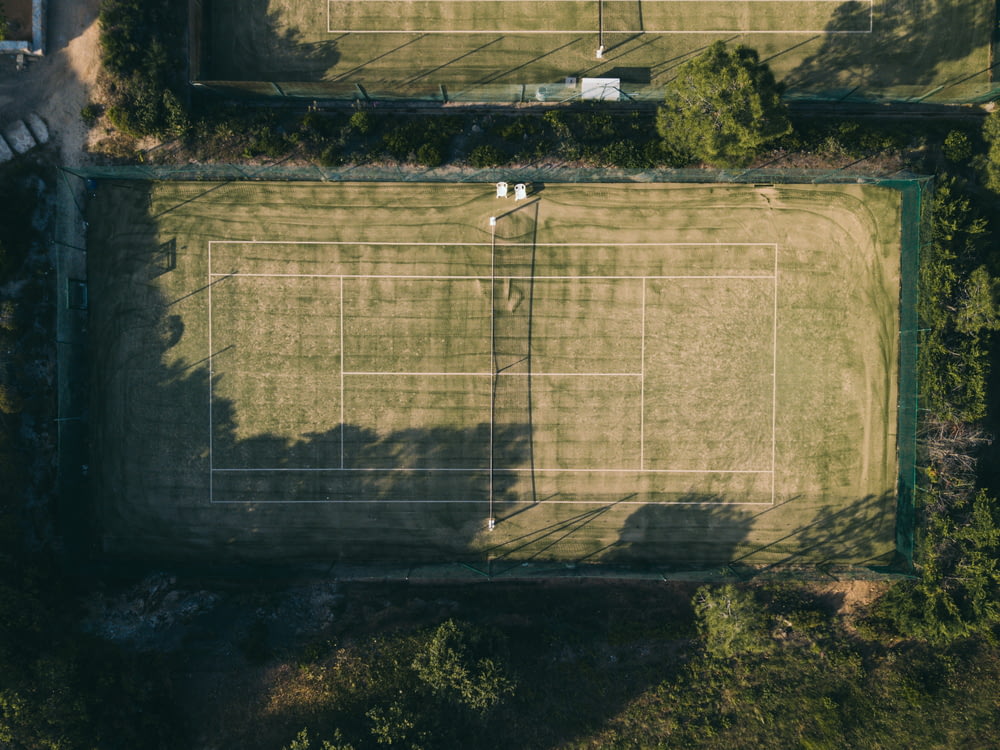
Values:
[(429, 155), (487, 156), (362, 122), (957, 147), (140, 43), (90, 113)]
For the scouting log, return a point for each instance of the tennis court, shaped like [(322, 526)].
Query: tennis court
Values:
[(604, 372), (588, 16), (504, 50)]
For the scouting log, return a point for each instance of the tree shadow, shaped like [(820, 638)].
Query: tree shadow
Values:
[(913, 50), (246, 41)]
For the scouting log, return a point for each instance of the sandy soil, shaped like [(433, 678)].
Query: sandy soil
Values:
[(58, 85)]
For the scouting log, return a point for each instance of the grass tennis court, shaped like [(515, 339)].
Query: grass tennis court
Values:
[(611, 373), (575, 16), (487, 50)]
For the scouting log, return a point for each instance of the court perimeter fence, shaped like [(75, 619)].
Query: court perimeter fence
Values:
[(913, 218)]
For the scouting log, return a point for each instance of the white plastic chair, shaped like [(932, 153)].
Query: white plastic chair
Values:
[(520, 191), (501, 190)]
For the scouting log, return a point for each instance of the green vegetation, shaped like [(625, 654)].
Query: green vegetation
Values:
[(731, 623), (4, 25), (958, 306), (723, 107), (141, 51), (957, 590)]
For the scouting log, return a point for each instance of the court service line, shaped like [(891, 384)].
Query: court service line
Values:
[(490, 374)]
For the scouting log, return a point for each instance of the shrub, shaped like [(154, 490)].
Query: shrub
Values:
[(90, 113), (429, 155), (362, 122), (957, 146), (487, 156)]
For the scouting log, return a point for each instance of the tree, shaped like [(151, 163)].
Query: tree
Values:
[(4, 26), (991, 134), (723, 107), (730, 622), (449, 667)]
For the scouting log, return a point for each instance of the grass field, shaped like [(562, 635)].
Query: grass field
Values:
[(483, 49), (612, 373)]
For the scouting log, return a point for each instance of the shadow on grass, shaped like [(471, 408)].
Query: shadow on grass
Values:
[(911, 44), (249, 42)]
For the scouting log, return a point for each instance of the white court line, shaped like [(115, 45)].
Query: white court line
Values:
[(819, 32), (341, 277), (426, 277), (490, 374), (482, 469), (487, 244), (642, 384), (493, 352), (774, 381)]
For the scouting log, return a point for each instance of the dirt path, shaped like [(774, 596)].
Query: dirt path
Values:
[(58, 85)]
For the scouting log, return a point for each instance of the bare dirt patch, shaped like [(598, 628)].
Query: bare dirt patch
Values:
[(57, 85)]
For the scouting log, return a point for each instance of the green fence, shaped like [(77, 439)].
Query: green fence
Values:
[(911, 220), (555, 174)]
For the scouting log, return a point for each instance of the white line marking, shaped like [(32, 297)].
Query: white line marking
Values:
[(523, 374), (427, 277), (493, 351), (343, 425), (642, 383), (487, 244), (822, 32), (481, 469), (609, 2), (774, 380)]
